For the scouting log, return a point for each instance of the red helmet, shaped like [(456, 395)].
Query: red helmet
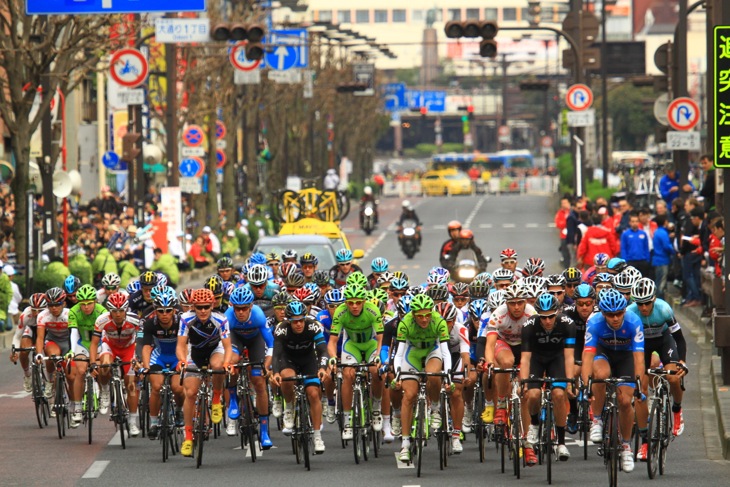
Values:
[(465, 233), (117, 301), (203, 296), (508, 254), (304, 295), (454, 225)]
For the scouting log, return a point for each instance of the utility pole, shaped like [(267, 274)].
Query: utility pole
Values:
[(679, 80), (171, 125), (604, 96)]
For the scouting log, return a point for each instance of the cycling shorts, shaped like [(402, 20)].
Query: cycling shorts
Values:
[(516, 350), (547, 366), (125, 354), (415, 360), (621, 363), (256, 347), (169, 361), (64, 345), (357, 352), (663, 345), (305, 365), (200, 357)]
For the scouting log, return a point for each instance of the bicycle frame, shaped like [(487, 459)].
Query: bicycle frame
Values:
[(302, 435), (659, 433)]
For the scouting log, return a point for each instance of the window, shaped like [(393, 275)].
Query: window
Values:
[(524, 14), (362, 16), (325, 15), (381, 16), (344, 16), (472, 14), (399, 15), (490, 14), (418, 15), (509, 14), (454, 14)]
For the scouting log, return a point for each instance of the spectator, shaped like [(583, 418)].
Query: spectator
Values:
[(331, 180), (621, 218), (197, 252), (128, 270), (669, 185), (211, 243), (597, 239), (690, 253), (176, 248), (6, 296), (167, 264), (708, 182), (561, 223), (13, 307), (662, 255), (717, 244), (647, 225), (660, 208), (635, 246)]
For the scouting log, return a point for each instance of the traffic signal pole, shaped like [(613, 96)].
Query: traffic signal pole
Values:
[(679, 80)]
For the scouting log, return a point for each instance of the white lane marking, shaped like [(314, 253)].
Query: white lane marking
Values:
[(508, 225), (259, 451), (15, 395), (439, 227), (402, 464), (374, 245), (467, 222), (485, 225), (96, 469), (531, 225), (551, 224), (116, 440)]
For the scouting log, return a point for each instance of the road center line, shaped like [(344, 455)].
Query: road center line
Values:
[(467, 222), (96, 469), (116, 440)]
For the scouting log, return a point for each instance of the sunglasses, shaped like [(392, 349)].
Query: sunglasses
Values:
[(556, 293), (86, 303), (356, 302), (242, 308), (422, 315), (548, 317), (258, 286), (509, 261), (111, 288), (280, 308), (203, 307), (397, 294), (584, 304), (296, 320), (613, 315), (344, 263), (165, 310), (648, 303), (333, 305)]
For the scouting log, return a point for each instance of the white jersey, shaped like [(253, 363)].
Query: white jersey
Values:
[(505, 327)]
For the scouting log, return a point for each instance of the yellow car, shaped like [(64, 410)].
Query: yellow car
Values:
[(445, 182), (313, 226)]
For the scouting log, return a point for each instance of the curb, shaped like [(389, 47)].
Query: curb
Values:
[(721, 399)]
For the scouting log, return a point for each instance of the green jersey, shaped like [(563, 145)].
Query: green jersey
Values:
[(361, 328), (83, 322), (422, 339)]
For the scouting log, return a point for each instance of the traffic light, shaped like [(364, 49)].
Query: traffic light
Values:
[(534, 10), (253, 33), (130, 150), (487, 30), (469, 112), (424, 111)]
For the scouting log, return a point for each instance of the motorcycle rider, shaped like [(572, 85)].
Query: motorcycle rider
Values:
[(466, 241), (368, 197), (454, 228), (409, 213)]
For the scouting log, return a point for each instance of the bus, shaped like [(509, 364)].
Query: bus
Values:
[(508, 159)]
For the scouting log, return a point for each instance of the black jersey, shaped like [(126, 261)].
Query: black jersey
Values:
[(299, 346), (163, 340), (545, 343), (138, 304), (580, 328)]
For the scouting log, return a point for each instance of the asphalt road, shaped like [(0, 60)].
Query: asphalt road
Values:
[(31, 456)]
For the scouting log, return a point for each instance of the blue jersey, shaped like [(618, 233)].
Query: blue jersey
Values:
[(325, 319), (629, 337), (269, 292), (204, 335), (255, 325), (660, 320)]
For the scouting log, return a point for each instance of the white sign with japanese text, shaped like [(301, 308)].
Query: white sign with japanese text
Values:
[(683, 140), (172, 31)]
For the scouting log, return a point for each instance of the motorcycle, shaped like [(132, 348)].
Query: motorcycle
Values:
[(408, 238), (466, 266), (368, 218)]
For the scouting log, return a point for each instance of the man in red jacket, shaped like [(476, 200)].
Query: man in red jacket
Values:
[(596, 238), (561, 219)]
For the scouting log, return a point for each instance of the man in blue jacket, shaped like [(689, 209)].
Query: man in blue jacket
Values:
[(669, 185), (635, 246), (662, 256)]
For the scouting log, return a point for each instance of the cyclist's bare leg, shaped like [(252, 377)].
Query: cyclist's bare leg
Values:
[(625, 411), (315, 405), (601, 370)]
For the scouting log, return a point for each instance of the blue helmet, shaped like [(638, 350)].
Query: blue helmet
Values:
[(257, 258), (477, 308), (546, 303), (611, 301), (379, 264), (343, 255), (71, 284), (166, 298), (404, 304), (438, 275), (603, 277), (398, 284), (617, 265), (334, 296), (157, 290), (228, 288), (295, 308), (600, 259), (133, 287), (241, 296), (584, 291)]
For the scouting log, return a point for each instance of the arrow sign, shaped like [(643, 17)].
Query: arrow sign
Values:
[(282, 58), (579, 97), (683, 113)]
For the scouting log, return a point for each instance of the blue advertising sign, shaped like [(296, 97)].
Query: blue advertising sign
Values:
[(290, 49), (434, 101), (394, 96), (67, 7)]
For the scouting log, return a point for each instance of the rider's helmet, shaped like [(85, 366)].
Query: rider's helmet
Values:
[(496, 299), (343, 256), (572, 275), (38, 301), (309, 258), (600, 259), (477, 308), (321, 278), (224, 263), (644, 291), (367, 190), (611, 301), (357, 278), (71, 284), (534, 267), (407, 205), (447, 311), (117, 302), (241, 296), (355, 292), (334, 296), (111, 280), (546, 304), (281, 298), (453, 225), (507, 254), (584, 291), (257, 274), (295, 308), (55, 295), (379, 264), (149, 279), (86, 293), (438, 292), (466, 234), (421, 302)]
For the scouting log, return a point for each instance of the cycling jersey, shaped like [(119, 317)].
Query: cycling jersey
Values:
[(264, 301), (387, 349), (660, 320), (56, 327), (662, 333), (361, 328), (204, 335), (28, 323), (458, 345), (629, 337), (417, 345), (253, 327), (505, 327), (537, 340), (163, 340), (117, 336), (310, 343), (339, 277), (580, 329), (82, 327)]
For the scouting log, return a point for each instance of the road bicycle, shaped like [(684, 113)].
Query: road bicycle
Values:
[(509, 435), (659, 434), (201, 420), (38, 384), (482, 430), (248, 423), (302, 434), (339, 410), (143, 405), (444, 432), (60, 408), (362, 426), (584, 414), (89, 399), (118, 400), (167, 430)]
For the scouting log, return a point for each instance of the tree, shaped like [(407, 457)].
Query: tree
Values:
[(56, 52), (632, 121)]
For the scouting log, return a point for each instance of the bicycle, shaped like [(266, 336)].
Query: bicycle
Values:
[(248, 423), (362, 427), (143, 406), (339, 410), (40, 401), (118, 402), (201, 418), (89, 399), (482, 430), (444, 433), (659, 434), (583, 415), (509, 435), (167, 433), (302, 434), (60, 407)]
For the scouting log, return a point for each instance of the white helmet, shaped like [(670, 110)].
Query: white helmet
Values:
[(367, 190), (406, 204)]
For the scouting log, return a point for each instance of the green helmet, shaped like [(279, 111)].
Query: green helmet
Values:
[(420, 302), (86, 293), (380, 294), (357, 278), (355, 292)]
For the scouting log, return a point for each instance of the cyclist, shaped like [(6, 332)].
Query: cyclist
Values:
[(159, 342), (322, 279), (248, 328), (215, 284), (547, 349), (662, 335), (503, 278), (293, 281), (289, 255), (460, 297), (203, 341), (363, 324), (184, 297), (225, 269), (332, 299), (308, 263), (262, 288), (140, 302), (278, 306), (26, 334), (343, 268), (600, 261), (53, 335), (300, 348), (378, 266), (573, 278), (273, 261), (71, 285), (508, 260), (454, 229), (423, 345), (115, 335), (110, 283), (81, 321), (614, 348), (460, 365), (556, 286)]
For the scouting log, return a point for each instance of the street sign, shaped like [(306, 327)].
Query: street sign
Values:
[(282, 58), (579, 97), (220, 129), (128, 67), (504, 135), (221, 158), (684, 140), (192, 151), (182, 31), (308, 88), (546, 141), (237, 57), (434, 101), (660, 108), (126, 97), (193, 136), (191, 185), (294, 52), (112, 162), (394, 95), (290, 77), (722, 95), (683, 113), (583, 118), (364, 73), (247, 77), (75, 7), (189, 167), (221, 144)]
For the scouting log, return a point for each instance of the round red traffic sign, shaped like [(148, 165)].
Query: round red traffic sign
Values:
[(220, 129), (221, 159), (128, 67), (237, 56), (546, 141), (579, 97), (201, 166), (683, 113), (193, 136)]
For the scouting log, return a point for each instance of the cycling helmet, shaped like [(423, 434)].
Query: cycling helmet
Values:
[(272, 257), (161, 279), (134, 286), (357, 278), (166, 299), (644, 291), (496, 299), (281, 299), (460, 289), (534, 267), (117, 302), (611, 301), (38, 301), (295, 279), (398, 284), (533, 286), (295, 308), (380, 294), (55, 295), (155, 291), (244, 270), (584, 291), (321, 278), (415, 290), (485, 277), (546, 304), (616, 265), (555, 280), (507, 254), (308, 258), (304, 295), (186, 296), (503, 274), (148, 278), (86, 293), (572, 275), (343, 256), (71, 284), (438, 275), (438, 292), (257, 274), (407, 205), (600, 259), (367, 190), (384, 278), (355, 292), (421, 302), (289, 254), (111, 280), (314, 290), (288, 268), (477, 308), (379, 264), (633, 272), (241, 296), (203, 296), (215, 284), (447, 311), (224, 263), (515, 292), (334, 296), (603, 277), (257, 258), (624, 281), (466, 234), (478, 289), (454, 225), (401, 275), (404, 304)]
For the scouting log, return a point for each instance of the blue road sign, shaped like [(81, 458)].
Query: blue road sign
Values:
[(64, 7), (394, 96), (110, 160), (189, 168), (434, 101), (290, 49)]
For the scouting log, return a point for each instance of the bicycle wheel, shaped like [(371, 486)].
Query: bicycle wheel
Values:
[(202, 414), (38, 397), (143, 408), (298, 432), (584, 426), (355, 418), (340, 414), (444, 434), (420, 431), (119, 412), (477, 422), (502, 443), (516, 438), (665, 433), (653, 438), (613, 448), (548, 445), (58, 406), (164, 422), (249, 425), (89, 405), (306, 436)]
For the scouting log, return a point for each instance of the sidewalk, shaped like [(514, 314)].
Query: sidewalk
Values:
[(715, 396)]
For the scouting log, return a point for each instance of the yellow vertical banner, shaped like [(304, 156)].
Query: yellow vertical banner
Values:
[(120, 119)]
